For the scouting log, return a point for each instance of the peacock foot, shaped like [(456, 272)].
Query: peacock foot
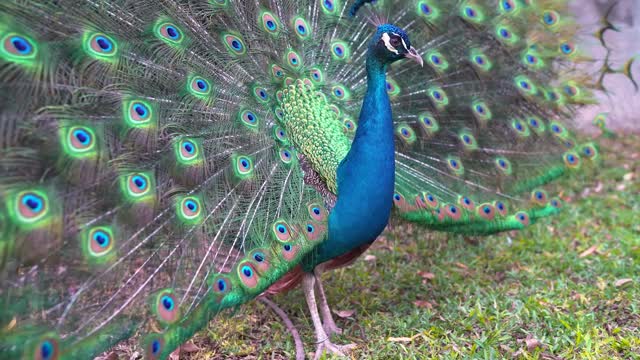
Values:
[(331, 328), (323, 331), (328, 347)]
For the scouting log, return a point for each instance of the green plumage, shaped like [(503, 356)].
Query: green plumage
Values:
[(161, 161), (316, 130)]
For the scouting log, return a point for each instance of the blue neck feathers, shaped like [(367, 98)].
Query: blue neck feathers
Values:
[(365, 177)]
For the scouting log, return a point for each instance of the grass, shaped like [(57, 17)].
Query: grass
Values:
[(567, 288)]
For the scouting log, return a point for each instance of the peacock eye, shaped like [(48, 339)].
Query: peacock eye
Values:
[(395, 41)]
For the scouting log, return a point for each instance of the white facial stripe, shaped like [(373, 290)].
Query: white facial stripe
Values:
[(404, 44), (387, 42)]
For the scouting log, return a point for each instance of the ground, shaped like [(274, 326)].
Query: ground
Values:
[(567, 288)]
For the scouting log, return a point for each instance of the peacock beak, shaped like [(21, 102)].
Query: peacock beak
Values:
[(413, 55)]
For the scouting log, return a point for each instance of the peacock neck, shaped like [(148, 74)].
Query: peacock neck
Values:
[(365, 177), (376, 96)]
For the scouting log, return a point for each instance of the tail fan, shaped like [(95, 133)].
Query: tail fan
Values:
[(487, 122)]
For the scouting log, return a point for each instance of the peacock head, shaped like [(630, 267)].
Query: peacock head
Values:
[(391, 43)]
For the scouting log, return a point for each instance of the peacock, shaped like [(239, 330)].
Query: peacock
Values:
[(164, 160)]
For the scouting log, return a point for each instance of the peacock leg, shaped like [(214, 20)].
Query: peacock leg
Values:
[(329, 324), (287, 322), (322, 339)]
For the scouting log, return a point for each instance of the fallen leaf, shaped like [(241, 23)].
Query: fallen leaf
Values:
[(112, 356), (400, 339), (370, 258), (462, 266), (189, 347), (427, 275), (471, 240), (403, 339), (155, 328), (423, 304), (622, 282), (621, 187), (547, 356), (598, 187), (344, 313), (12, 324), (175, 355), (579, 297), (517, 354), (532, 344), (589, 251)]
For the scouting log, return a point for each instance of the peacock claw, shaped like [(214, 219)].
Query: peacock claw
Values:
[(331, 328), (328, 347)]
